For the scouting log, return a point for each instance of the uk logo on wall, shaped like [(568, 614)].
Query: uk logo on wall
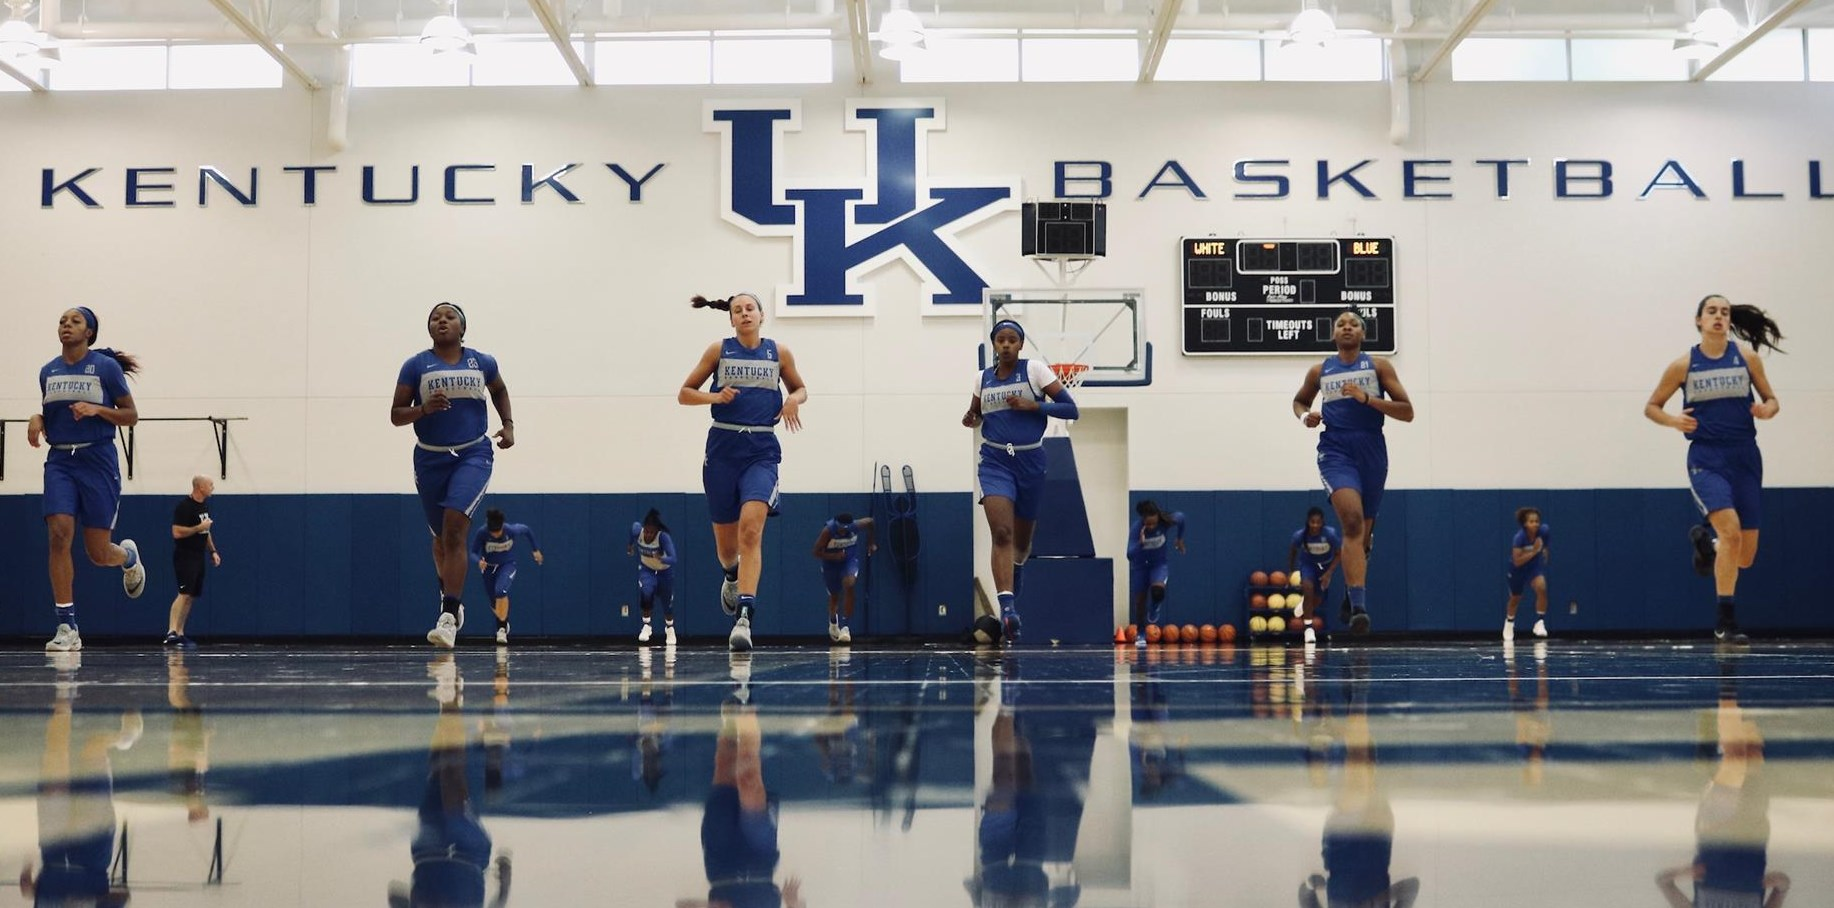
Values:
[(842, 228)]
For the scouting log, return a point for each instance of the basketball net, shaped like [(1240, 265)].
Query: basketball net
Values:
[(1071, 376)]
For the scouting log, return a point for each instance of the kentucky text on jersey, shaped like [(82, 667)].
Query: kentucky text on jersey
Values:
[(1719, 383), (1339, 409), (748, 373), (459, 383), (73, 388), (1718, 391)]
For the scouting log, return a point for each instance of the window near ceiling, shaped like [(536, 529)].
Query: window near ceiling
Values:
[(772, 60), (1776, 57), (1820, 43), (680, 59), (1510, 60), (1350, 60), (207, 66), (1055, 59), (1627, 60), (1210, 60), (523, 63), (125, 68), (961, 55), (405, 66)]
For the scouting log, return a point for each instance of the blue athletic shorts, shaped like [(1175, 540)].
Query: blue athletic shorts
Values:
[(1017, 477), (498, 579), (737, 845), (1728, 476), (1312, 570), (739, 467), (452, 481), (656, 586), (1143, 574), (1520, 578), (85, 483), (833, 572), (1355, 460)]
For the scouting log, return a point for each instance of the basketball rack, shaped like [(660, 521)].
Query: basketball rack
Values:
[(219, 427)]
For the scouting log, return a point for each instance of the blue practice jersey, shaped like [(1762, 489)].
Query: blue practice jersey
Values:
[(1719, 392), (1000, 424), (1545, 534), (844, 539), (1151, 547), (1321, 548), (496, 551), (466, 383), (95, 378), (658, 554), (1342, 412), (757, 373)]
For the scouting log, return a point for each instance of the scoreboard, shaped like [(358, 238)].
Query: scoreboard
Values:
[(1281, 296)]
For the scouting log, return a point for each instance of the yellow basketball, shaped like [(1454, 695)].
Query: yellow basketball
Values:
[(1276, 602), (1296, 581), (1257, 625), (1276, 624)]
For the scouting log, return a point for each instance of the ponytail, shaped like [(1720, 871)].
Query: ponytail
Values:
[(1756, 328), (701, 302), (130, 363)]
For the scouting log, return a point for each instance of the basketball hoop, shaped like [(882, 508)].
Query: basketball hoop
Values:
[(1071, 374)]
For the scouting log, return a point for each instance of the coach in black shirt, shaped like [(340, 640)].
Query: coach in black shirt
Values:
[(192, 544)]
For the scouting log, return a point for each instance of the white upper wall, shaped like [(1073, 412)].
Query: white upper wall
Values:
[(1532, 328)]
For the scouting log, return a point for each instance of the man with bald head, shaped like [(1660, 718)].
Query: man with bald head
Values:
[(192, 544)]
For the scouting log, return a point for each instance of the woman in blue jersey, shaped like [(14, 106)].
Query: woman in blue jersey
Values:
[(85, 398), (441, 392), (1528, 569), (1360, 393), (1013, 401), (838, 547), (494, 548), (1717, 378), (1314, 552), (751, 375), (1148, 567), (655, 550)]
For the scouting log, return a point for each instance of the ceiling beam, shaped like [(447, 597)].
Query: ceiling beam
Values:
[(859, 39), (1163, 19), (563, 42), (247, 26), (22, 78), (1460, 32), (1763, 28)]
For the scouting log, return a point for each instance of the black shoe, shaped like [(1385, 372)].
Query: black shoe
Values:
[(1359, 623), (1704, 553), (1728, 632)]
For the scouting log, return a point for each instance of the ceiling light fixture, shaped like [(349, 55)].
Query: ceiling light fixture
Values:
[(444, 34), (1312, 26), (1715, 25), (23, 46), (901, 33)]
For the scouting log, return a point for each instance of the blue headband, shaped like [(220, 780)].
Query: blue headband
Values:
[(455, 307), (1007, 323), (95, 324)]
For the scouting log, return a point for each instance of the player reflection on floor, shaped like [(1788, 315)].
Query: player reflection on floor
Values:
[(1732, 826), (451, 850), (1360, 830), (1158, 755), (1029, 821), (655, 710), (76, 803)]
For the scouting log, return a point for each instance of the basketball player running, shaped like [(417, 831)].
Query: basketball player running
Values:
[(1360, 393), (1013, 401), (750, 374), (838, 547), (655, 550), (85, 399), (1716, 380), (1528, 553), (441, 392), (1148, 565), (494, 548), (1315, 551)]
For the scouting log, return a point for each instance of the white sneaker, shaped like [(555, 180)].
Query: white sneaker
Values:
[(448, 686), (1509, 630), (133, 580), (445, 633), (1311, 637), (66, 641), (643, 636), (740, 639), (668, 635), (846, 634), (834, 632), (729, 596), (1540, 627), (133, 725), (503, 636)]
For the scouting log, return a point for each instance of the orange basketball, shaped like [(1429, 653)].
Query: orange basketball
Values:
[(1207, 633), (1257, 601), (1188, 633), (1133, 632), (1152, 633), (1226, 633), (1258, 578), (1169, 633), (1277, 578)]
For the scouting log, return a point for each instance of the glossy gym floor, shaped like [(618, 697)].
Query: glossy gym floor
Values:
[(1473, 774)]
